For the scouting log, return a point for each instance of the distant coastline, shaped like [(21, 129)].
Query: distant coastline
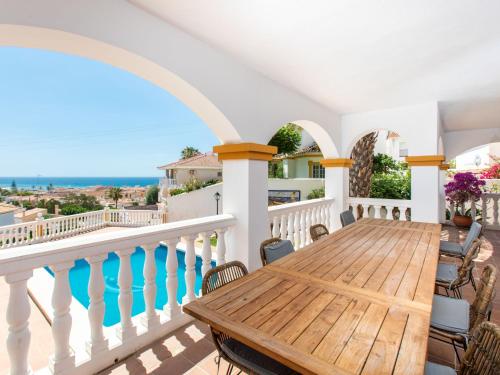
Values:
[(77, 182)]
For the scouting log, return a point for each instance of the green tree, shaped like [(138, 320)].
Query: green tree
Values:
[(391, 185), (383, 163), (287, 139), (13, 187), (152, 194), (189, 152), (115, 193), (88, 202), (72, 209)]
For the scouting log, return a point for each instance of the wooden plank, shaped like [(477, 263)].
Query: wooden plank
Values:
[(262, 342), (295, 327), (357, 349), (335, 340), (383, 355), (426, 281), (413, 349), (309, 339)]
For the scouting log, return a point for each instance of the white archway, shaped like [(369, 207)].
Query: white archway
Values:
[(60, 41), (321, 137)]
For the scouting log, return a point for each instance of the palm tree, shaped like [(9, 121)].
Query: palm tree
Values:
[(360, 175), (115, 193), (189, 152)]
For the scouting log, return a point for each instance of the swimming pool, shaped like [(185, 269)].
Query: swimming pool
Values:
[(79, 279)]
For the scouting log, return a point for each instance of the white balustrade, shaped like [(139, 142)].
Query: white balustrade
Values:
[(392, 209), (101, 350), (292, 220), (63, 359), (486, 210)]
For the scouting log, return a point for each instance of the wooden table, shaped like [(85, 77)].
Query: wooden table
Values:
[(355, 302)]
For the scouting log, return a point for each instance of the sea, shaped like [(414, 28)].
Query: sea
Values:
[(76, 182)]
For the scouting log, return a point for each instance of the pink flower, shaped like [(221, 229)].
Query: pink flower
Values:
[(464, 187)]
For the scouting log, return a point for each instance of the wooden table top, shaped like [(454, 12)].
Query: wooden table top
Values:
[(355, 302)]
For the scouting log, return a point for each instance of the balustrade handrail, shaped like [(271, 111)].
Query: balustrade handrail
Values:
[(30, 257), (380, 201), (289, 207)]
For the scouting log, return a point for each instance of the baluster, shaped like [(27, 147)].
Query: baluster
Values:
[(290, 227), (495, 211), (484, 209), (308, 225), (97, 307), (190, 268), (303, 223), (125, 299), (366, 207), (221, 246), (276, 228), (283, 227), (206, 253), (151, 319), (172, 308), (319, 215), (63, 359), (389, 214), (18, 313), (377, 211), (296, 230)]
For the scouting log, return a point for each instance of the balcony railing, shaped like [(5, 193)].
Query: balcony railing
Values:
[(394, 209), (67, 226), (292, 220), (487, 209), (104, 346)]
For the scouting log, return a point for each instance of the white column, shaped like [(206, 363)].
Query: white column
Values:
[(221, 246), (190, 268), (206, 253), (337, 187), (151, 319), (245, 197), (442, 196), (18, 313), (97, 307), (425, 194), (172, 307), (126, 330), (63, 359)]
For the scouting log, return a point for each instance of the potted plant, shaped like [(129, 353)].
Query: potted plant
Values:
[(464, 188)]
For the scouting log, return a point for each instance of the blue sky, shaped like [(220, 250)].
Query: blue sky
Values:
[(63, 115)]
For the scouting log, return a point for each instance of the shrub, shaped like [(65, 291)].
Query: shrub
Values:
[(176, 191), (152, 194), (383, 163), (210, 182), (72, 209), (316, 193), (465, 187), (192, 184), (391, 186)]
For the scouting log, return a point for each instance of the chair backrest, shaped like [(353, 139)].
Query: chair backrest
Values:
[(483, 353), (484, 296), (474, 232), (222, 275), (468, 264), (274, 249), (347, 218), (317, 231)]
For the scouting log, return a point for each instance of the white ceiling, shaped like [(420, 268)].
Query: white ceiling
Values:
[(358, 55)]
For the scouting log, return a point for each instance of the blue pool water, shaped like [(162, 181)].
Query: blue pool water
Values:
[(79, 279)]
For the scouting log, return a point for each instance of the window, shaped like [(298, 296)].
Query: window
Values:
[(219, 174), (318, 171)]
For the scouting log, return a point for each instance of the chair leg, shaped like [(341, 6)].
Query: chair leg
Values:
[(229, 369), (456, 351), (472, 281)]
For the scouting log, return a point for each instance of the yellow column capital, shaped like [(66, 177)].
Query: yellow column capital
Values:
[(337, 163), (250, 151), (425, 160)]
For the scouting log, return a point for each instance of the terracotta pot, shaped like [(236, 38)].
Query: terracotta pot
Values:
[(462, 221)]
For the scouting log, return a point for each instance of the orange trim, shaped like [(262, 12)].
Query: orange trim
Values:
[(425, 160), (444, 166), (337, 163), (250, 151)]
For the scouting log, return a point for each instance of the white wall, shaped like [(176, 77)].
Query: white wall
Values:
[(237, 103), (458, 142), (182, 175), (199, 203)]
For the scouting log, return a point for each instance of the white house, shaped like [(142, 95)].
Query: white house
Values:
[(7, 214)]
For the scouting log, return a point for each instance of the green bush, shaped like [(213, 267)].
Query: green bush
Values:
[(316, 193), (176, 191), (193, 184), (391, 185), (152, 194), (383, 163), (210, 182), (72, 209)]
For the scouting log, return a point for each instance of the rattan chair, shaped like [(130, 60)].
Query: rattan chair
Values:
[(318, 231), (452, 278), (482, 355), (347, 218), (274, 249), (453, 319), (456, 250), (234, 352)]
